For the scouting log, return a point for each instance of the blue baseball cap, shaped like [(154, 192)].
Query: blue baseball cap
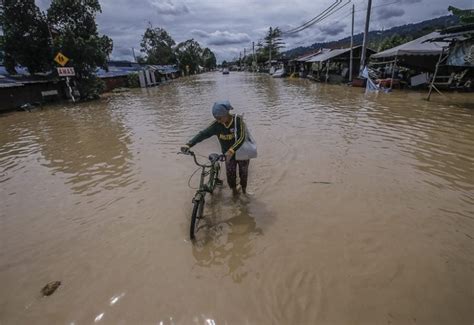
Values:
[(221, 108)]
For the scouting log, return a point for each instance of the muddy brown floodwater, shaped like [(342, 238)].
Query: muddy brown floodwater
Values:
[(362, 209)]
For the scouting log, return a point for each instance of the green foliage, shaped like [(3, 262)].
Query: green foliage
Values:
[(208, 59), (465, 16), (2, 50), (157, 44), (189, 55), (393, 41), (261, 53), (26, 36), (247, 60), (141, 59), (91, 86), (273, 43), (77, 38), (133, 80)]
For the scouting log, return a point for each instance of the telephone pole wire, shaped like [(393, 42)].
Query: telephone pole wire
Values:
[(366, 36)]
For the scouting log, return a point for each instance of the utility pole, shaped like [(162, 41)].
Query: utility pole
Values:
[(352, 44), (270, 52), (366, 36), (254, 63), (245, 51), (240, 60), (270, 35), (134, 57)]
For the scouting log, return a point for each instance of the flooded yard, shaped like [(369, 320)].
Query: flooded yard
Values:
[(362, 208)]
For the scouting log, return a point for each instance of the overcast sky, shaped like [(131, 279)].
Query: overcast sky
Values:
[(229, 26)]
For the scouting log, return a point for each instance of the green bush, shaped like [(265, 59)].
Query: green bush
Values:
[(133, 80), (91, 87)]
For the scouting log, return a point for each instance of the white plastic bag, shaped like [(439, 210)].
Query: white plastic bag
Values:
[(248, 149)]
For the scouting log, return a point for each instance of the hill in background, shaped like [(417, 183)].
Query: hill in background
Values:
[(376, 37)]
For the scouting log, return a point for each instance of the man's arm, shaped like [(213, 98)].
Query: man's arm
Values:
[(203, 135)]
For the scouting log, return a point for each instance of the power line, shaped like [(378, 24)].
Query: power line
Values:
[(349, 13), (333, 8), (308, 23)]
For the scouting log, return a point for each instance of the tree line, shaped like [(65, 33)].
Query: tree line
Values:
[(265, 50), (32, 38), (158, 47)]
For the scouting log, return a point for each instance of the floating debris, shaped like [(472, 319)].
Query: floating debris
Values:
[(50, 288), (315, 182)]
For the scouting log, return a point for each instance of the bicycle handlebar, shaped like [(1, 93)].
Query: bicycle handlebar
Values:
[(212, 158)]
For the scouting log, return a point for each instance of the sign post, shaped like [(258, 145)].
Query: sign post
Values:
[(61, 59), (67, 72)]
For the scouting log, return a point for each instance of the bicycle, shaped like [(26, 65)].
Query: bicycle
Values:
[(212, 170)]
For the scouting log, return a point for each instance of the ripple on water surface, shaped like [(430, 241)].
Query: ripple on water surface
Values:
[(352, 195)]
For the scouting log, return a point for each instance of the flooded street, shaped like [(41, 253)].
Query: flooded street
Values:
[(362, 209)]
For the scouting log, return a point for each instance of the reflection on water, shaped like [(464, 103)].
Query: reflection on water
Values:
[(87, 144), (362, 208), (90, 146), (229, 241)]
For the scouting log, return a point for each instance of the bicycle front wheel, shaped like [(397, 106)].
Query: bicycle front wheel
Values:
[(214, 177), (196, 217)]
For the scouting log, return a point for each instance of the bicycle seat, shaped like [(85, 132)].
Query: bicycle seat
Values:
[(213, 157)]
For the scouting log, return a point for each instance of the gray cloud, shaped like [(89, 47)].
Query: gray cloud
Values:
[(236, 23), (440, 12), (333, 29), (121, 51), (200, 33), (389, 12), (320, 38), (167, 7), (222, 38)]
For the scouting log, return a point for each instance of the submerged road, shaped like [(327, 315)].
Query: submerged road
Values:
[(362, 209)]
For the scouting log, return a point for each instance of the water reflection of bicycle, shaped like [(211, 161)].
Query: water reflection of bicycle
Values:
[(229, 242)]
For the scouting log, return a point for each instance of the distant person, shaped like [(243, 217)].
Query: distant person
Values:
[(224, 128)]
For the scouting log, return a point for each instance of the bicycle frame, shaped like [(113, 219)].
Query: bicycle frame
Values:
[(211, 170), (206, 170)]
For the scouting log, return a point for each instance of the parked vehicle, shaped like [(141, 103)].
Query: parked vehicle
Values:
[(280, 73)]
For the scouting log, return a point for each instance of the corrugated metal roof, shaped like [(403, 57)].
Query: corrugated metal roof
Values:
[(101, 73), (334, 53), (164, 69), (21, 71), (8, 83), (23, 77), (418, 46), (328, 55), (308, 57)]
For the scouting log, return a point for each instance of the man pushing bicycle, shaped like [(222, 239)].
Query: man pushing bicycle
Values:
[(230, 130)]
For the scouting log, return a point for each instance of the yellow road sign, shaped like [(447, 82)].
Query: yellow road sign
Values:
[(61, 59)]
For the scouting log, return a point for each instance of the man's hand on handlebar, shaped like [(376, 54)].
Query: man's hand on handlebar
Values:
[(185, 149)]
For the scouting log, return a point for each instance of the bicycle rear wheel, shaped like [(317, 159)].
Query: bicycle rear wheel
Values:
[(196, 217)]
